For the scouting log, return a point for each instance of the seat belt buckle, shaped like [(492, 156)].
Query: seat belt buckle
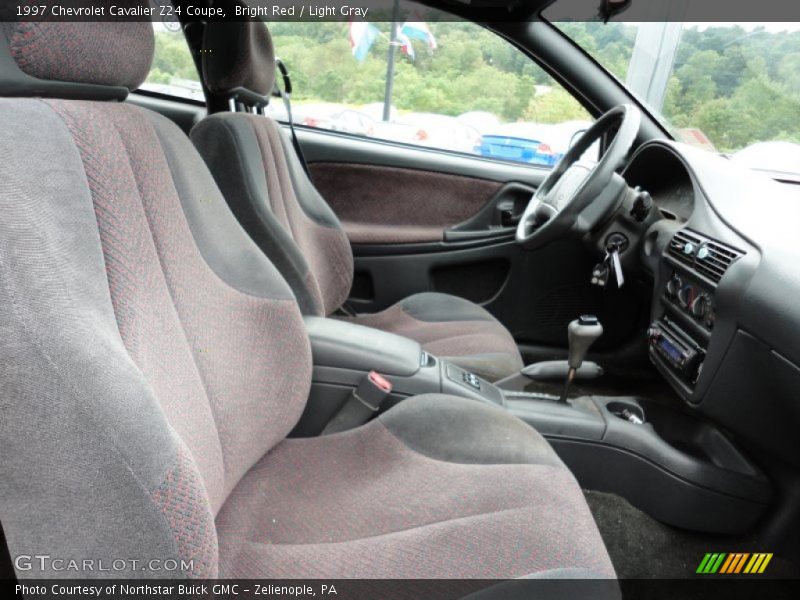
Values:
[(372, 390)]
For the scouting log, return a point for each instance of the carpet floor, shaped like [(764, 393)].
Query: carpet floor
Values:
[(643, 548)]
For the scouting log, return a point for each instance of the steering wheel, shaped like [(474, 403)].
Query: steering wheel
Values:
[(576, 196)]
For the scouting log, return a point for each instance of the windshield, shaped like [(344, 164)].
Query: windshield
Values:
[(732, 88)]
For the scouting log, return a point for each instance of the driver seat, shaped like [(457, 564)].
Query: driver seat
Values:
[(258, 170)]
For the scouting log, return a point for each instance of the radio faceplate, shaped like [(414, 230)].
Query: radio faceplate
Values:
[(676, 349)]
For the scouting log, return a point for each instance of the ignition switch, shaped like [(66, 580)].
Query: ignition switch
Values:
[(617, 241)]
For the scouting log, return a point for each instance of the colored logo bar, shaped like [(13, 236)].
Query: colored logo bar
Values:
[(734, 563)]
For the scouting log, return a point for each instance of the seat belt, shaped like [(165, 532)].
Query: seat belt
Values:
[(345, 310), (285, 95), (362, 404)]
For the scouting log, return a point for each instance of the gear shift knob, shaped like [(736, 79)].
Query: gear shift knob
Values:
[(582, 333)]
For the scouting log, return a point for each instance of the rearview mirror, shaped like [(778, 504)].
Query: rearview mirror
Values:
[(611, 8)]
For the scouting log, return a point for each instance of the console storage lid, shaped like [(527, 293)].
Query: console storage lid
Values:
[(344, 345)]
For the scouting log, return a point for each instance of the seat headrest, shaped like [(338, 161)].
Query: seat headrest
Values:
[(70, 59), (238, 55)]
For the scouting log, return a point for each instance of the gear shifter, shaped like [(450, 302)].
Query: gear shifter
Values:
[(582, 333)]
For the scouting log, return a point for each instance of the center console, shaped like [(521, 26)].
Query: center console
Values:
[(344, 353), (675, 467), (679, 338), (686, 308), (665, 461)]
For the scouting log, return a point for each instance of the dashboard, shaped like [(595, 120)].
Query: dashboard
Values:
[(667, 180), (724, 257)]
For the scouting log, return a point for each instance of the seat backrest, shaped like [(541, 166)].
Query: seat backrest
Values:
[(149, 353), (256, 167)]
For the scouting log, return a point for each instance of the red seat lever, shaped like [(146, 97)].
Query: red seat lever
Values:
[(380, 381)]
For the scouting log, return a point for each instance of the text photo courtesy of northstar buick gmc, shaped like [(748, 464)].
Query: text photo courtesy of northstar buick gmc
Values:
[(447, 299)]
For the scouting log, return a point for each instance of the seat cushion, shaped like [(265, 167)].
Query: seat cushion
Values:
[(437, 487), (451, 328)]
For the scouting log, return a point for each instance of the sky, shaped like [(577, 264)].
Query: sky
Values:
[(772, 27)]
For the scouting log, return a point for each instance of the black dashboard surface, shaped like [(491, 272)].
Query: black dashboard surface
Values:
[(665, 177), (750, 381)]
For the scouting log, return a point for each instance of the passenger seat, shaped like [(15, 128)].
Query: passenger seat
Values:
[(258, 170)]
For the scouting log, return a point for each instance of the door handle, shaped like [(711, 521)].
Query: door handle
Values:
[(507, 215), (498, 219)]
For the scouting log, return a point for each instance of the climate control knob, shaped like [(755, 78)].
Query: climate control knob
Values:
[(674, 286), (686, 296), (700, 306)]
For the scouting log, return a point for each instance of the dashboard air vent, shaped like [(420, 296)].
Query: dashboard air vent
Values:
[(683, 246), (704, 256)]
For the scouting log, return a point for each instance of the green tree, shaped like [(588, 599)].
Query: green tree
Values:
[(172, 59), (738, 86), (555, 106), (697, 83)]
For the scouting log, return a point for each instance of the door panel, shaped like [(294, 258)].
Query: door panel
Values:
[(534, 294), (465, 243), (478, 274), (388, 205), (329, 146)]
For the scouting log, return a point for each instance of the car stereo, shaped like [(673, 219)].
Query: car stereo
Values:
[(676, 348)]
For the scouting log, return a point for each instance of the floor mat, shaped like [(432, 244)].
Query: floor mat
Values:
[(643, 548)]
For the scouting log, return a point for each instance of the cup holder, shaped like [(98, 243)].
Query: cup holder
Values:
[(632, 413)]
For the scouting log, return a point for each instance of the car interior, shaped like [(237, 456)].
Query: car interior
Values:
[(273, 351)]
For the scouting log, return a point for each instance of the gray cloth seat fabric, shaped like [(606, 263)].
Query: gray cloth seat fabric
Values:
[(452, 328), (257, 169), (413, 510), (153, 361)]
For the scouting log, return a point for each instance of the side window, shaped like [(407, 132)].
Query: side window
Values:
[(456, 86), (173, 71)]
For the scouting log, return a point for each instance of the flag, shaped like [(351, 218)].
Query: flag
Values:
[(406, 46), (418, 30), (362, 37)]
